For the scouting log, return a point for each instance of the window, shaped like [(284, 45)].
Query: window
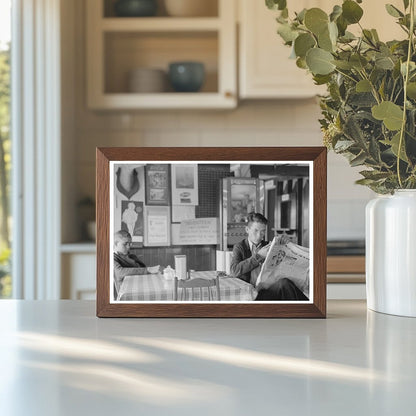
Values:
[(5, 147)]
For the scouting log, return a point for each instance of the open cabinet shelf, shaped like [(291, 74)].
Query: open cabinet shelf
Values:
[(117, 46)]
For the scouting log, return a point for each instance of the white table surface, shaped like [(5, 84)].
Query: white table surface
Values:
[(57, 358)]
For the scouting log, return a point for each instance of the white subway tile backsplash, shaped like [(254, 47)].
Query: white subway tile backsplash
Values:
[(166, 138), (161, 119), (230, 138), (346, 219), (206, 120)]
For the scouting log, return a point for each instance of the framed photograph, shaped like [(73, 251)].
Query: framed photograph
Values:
[(157, 184), (255, 249)]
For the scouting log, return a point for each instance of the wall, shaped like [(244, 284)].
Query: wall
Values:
[(253, 123)]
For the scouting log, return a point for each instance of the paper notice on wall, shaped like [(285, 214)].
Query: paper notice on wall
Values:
[(182, 212), (200, 231), (157, 229)]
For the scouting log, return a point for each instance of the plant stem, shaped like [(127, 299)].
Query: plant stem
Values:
[(405, 81)]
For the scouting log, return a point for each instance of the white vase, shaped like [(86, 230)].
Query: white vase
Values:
[(391, 253)]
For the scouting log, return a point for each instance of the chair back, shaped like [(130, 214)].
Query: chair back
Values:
[(197, 288)]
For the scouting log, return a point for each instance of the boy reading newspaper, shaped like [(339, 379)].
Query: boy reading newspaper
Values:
[(285, 261)]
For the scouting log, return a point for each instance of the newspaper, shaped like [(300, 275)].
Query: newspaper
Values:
[(286, 260)]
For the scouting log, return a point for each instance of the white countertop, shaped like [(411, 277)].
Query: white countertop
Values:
[(57, 358)]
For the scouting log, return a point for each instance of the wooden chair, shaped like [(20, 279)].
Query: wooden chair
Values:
[(192, 285)]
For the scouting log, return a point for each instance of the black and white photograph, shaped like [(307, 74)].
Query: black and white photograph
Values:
[(248, 238), (249, 241)]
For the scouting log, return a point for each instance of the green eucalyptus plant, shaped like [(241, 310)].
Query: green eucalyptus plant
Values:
[(369, 112)]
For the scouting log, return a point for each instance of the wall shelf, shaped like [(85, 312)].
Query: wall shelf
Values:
[(116, 46)]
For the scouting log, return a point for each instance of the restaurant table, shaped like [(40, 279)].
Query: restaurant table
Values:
[(154, 287), (57, 358)]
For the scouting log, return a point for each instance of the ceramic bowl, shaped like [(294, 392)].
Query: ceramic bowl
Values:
[(135, 8), (147, 80), (186, 76)]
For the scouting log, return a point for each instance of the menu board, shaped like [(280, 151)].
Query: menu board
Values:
[(199, 231)]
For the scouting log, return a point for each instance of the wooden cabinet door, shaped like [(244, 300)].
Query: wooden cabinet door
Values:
[(265, 69)]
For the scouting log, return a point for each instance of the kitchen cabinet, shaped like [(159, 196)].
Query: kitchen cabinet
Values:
[(344, 269), (265, 70), (78, 264), (118, 45)]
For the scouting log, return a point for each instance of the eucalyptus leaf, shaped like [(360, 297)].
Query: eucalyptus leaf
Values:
[(316, 20), (412, 67), (342, 25), (411, 90), (395, 142), (345, 65), (333, 32), (374, 174), (382, 89), (281, 19), (301, 63), (374, 151), (301, 15), (303, 43), (325, 42), (343, 145), (354, 132), (384, 62), (365, 182), (319, 61), (391, 114), (369, 36), (357, 161), (287, 33), (363, 86), (375, 35), (393, 11), (405, 21), (351, 11), (358, 61), (347, 37), (336, 12), (276, 4), (321, 79), (377, 75)]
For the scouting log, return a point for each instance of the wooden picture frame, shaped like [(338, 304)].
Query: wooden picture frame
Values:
[(261, 159)]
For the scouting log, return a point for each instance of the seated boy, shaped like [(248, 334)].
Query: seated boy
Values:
[(125, 263)]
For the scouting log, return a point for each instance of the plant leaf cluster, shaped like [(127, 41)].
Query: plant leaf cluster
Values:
[(369, 111)]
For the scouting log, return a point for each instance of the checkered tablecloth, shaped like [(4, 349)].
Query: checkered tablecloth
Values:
[(154, 287)]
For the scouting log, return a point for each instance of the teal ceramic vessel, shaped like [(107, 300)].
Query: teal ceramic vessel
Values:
[(186, 76), (135, 8)]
